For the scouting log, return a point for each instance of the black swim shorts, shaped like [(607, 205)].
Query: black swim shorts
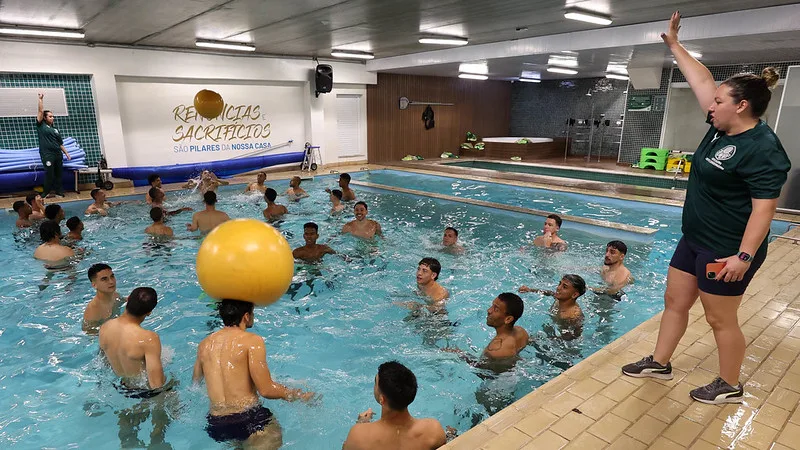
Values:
[(692, 259), (141, 393), (239, 426)]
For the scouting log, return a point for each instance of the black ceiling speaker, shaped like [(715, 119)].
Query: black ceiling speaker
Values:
[(323, 78)]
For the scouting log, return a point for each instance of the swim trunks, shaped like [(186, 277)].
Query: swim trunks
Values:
[(238, 426), (142, 393)]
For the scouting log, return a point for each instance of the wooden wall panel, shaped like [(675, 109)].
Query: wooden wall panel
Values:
[(482, 107)]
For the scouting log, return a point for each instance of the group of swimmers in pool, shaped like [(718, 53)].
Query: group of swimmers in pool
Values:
[(233, 361)]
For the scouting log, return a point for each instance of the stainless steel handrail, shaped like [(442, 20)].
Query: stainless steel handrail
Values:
[(789, 238)]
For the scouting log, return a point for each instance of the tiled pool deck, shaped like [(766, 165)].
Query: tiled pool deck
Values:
[(593, 406)]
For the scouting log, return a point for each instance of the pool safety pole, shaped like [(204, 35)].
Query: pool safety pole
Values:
[(570, 124), (258, 152)]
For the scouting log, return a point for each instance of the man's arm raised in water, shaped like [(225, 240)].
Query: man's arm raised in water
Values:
[(152, 361), (262, 379), (197, 373)]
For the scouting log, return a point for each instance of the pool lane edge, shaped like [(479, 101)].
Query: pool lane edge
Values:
[(518, 209)]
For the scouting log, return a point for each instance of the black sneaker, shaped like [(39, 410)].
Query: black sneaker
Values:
[(646, 367), (718, 392)]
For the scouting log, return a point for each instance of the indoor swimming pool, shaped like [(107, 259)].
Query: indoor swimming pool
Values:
[(338, 321)]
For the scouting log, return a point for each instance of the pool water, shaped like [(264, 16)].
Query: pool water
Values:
[(336, 324)]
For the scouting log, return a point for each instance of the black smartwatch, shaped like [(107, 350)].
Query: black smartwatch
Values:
[(744, 256)]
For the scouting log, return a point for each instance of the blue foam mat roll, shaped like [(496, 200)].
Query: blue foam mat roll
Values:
[(179, 173)]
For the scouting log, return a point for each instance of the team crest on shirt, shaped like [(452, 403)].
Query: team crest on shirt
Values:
[(723, 154)]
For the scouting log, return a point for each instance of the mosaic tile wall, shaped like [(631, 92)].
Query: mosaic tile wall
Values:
[(542, 109), (20, 132), (643, 128)]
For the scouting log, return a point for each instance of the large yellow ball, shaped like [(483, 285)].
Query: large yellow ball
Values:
[(245, 259), (208, 104)]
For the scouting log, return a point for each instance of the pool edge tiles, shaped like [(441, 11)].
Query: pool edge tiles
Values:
[(567, 218), (593, 403), (655, 181)]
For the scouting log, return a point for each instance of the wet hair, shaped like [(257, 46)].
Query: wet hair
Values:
[(18, 205), (153, 192), (514, 305), (557, 218), (433, 264), (49, 230), (45, 112), (73, 222), (210, 197), (141, 301), (398, 384), (361, 203), (30, 198), (345, 176), (299, 180), (156, 214), (262, 173), (577, 282), (619, 245), (270, 194), (97, 268), (453, 230), (337, 193), (94, 193), (311, 225), (51, 211), (152, 178), (232, 311), (753, 88)]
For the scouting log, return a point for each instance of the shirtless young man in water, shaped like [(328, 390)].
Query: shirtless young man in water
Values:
[(234, 365), (348, 194), (24, 212), (258, 185), (37, 206), (311, 251), (509, 338), (395, 388), (295, 192), (51, 251), (131, 350), (273, 210), (566, 311), (428, 285), (361, 226), (208, 182), (209, 218), (549, 238), (106, 301), (614, 273)]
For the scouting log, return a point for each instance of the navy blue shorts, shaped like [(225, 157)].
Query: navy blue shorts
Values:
[(692, 259), (238, 426)]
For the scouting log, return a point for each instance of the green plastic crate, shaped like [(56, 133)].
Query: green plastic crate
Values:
[(648, 152)]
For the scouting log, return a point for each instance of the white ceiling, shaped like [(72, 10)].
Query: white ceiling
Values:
[(388, 28)]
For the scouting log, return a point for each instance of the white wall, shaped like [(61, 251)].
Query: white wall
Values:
[(161, 126), (686, 125), (108, 66)]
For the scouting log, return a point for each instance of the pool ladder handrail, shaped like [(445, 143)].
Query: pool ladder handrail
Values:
[(677, 171), (794, 240)]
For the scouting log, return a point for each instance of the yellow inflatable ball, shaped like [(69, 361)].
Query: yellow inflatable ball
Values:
[(245, 259), (208, 104)]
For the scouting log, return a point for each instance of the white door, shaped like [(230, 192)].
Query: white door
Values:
[(348, 121)]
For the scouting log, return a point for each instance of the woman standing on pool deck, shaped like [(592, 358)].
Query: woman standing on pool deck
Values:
[(736, 179)]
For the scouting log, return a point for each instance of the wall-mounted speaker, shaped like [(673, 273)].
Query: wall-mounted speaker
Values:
[(323, 77)]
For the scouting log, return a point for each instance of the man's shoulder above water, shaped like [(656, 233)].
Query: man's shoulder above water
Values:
[(424, 434)]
